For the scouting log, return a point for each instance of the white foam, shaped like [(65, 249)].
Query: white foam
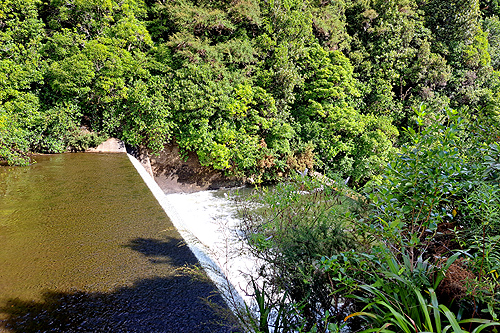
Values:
[(207, 222)]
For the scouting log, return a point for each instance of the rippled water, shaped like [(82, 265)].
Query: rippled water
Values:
[(81, 232)]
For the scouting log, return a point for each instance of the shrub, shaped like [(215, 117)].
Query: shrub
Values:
[(82, 140), (437, 189), (298, 224), (434, 211)]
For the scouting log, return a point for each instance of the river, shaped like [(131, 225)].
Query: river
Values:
[(86, 247)]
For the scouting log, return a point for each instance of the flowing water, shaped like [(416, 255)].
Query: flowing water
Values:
[(209, 223), (85, 247)]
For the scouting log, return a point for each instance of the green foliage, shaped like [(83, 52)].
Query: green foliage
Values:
[(492, 162), (72, 76), (14, 143), (483, 204), (300, 224), (391, 50), (420, 188), (83, 140), (438, 194), (52, 127), (489, 7), (347, 142), (481, 238), (246, 84), (491, 26), (453, 21), (425, 315), (436, 186), (21, 34)]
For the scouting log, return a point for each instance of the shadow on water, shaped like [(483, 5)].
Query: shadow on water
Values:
[(171, 251), (177, 303)]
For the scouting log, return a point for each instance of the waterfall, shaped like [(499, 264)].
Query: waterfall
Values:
[(206, 220)]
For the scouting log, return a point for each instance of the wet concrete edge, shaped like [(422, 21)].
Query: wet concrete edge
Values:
[(229, 293)]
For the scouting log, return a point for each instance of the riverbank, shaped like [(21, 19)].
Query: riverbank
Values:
[(171, 172)]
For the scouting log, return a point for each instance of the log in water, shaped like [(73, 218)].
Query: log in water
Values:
[(85, 247)]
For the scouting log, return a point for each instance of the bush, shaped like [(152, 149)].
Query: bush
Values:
[(385, 256), (422, 189), (14, 144), (298, 224), (82, 140), (435, 192)]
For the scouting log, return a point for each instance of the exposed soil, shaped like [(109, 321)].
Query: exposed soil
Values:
[(454, 286), (174, 175)]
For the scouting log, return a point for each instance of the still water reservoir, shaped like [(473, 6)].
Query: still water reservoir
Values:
[(85, 247)]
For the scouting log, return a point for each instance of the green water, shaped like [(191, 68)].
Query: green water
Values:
[(65, 222), (84, 222)]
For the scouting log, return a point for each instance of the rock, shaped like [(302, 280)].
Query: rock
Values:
[(112, 145)]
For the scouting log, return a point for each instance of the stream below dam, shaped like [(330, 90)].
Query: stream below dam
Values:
[(86, 247)]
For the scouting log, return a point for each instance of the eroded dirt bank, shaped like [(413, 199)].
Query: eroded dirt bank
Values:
[(172, 173)]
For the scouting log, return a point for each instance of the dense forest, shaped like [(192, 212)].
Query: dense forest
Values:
[(254, 87), (398, 99)]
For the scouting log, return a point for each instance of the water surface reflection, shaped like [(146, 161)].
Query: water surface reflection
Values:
[(85, 247)]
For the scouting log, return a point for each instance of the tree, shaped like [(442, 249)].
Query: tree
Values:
[(347, 142), (21, 69)]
